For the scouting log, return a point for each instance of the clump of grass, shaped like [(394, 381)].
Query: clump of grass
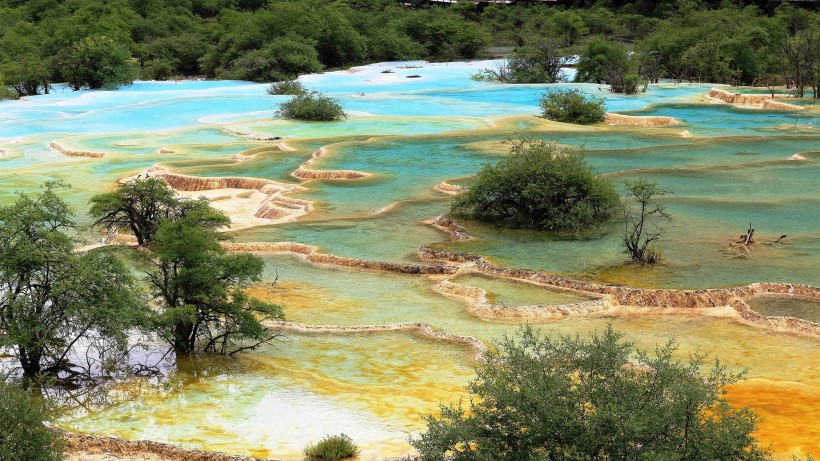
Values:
[(312, 107), (331, 448), (293, 87)]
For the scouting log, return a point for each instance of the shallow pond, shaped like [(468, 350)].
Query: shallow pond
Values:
[(723, 166)]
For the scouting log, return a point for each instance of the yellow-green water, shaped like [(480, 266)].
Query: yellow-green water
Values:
[(411, 135)]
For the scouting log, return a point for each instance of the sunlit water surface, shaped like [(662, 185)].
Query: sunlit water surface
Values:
[(411, 134)]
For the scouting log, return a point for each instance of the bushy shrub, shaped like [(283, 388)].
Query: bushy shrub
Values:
[(23, 436), (571, 106), (540, 186), (314, 107), (598, 398), (291, 87), (331, 448)]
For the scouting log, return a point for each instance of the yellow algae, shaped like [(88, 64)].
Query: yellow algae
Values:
[(790, 414)]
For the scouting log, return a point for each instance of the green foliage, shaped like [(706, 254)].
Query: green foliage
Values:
[(97, 62), (199, 290), (289, 87), (23, 436), (53, 296), (282, 59), (539, 398), (540, 186), (141, 205), (313, 107), (571, 106), (643, 230), (607, 61), (332, 448)]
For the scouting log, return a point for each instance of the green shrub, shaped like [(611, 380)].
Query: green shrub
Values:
[(291, 87), (540, 186), (571, 106), (313, 107), (8, 93), (23, 436), (599, 398), (331, 448)]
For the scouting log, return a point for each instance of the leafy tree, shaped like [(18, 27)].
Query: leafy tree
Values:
[(540, 61), (53, 298), (539, 186), (643, 230), (199, 288), (571, 106), (313, 107), (282, 59), (97, 62), (141, 205), (539, 398), (607, 61), (23, 436)]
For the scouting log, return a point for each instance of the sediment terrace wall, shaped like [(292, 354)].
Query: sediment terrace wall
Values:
[(86, 444), (762, 100), (306, 173), (634, 120), (424, 329), (313, 255), (641, 297), (448, 188), (195, 183), (789, 324), (482, 307), (446, 224), (74, 153)]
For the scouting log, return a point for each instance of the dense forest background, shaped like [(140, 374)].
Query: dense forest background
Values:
[(104, 43)]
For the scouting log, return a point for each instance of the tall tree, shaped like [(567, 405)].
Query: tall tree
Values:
[(98, 61), (52, 299), (199, 288)]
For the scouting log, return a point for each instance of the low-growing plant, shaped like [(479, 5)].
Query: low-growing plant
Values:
[(541, 186), (571, 106), (23, 436), (331, 448), (314, 107), (292, 87)]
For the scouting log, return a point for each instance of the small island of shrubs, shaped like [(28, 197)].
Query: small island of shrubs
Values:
[(541, 186), (312, 107)]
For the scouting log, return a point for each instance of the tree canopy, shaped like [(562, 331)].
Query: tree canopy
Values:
[(53, 298), (540, 186), (572, 398)]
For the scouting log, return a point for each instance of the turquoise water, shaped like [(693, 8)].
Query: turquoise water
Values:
[(410, 135)]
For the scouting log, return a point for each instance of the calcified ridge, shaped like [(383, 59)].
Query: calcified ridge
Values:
[(87, 444), (635, 120), (418, 328), (481, 307), (758, 100), (608, 295), (305, 173), (74, 153), (273, 207), (447, 188)]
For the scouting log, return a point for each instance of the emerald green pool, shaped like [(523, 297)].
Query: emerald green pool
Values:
[(410, 136)]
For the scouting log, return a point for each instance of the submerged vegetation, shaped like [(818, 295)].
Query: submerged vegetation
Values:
[(572, 398), (540, 186), (644, 227)]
